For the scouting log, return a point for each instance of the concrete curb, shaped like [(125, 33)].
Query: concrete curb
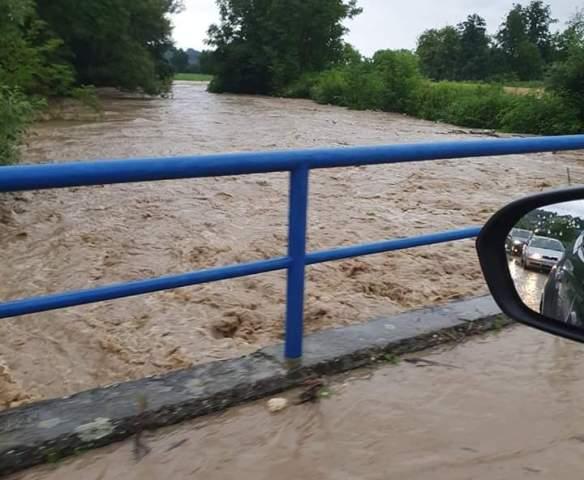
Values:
[(49, 430)]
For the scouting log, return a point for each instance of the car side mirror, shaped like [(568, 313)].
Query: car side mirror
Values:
[(540, 284)]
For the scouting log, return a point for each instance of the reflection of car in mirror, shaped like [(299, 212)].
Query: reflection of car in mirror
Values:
[(542, 252), (549, 293), (563, 294), (516, 239)]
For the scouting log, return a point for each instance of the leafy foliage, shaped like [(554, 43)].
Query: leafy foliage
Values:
[(566, 79), (29, 56), (521, 49), (114, 42), (399, 76), (474, 48), (548, 114), (179, 60), (392, 82), (16, 111), (55, 47), (261, 46), (439, 52)]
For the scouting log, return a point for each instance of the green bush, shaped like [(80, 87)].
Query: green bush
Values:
[(389, 82), (365, 89), (301, 88), (432, 100), (87, 95), (331, 88), (548, 114), (567, 79), (16, 111), (392, 82), (477, 106), (401, 77)]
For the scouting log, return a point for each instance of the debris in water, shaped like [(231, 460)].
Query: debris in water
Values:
[(312, 392), (424, 362), (276, 405), (178, 444)]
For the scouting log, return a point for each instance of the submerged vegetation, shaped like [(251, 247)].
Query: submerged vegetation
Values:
[(56, 48)]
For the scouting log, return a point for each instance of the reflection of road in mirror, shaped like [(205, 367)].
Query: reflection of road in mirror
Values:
[(550, 238), (529, 283)]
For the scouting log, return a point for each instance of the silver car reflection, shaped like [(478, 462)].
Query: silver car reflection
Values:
[(542, 253)]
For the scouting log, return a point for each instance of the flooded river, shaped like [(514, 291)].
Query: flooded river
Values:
[(501, 407), (78, 238)]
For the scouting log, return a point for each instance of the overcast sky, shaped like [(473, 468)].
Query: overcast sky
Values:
[(575, 208), (383, 23)]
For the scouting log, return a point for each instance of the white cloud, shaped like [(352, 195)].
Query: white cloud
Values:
[(383, 23)]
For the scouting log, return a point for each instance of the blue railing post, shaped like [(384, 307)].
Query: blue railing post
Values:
[(298, 212)]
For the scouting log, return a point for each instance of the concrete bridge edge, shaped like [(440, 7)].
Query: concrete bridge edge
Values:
[(50, 430)]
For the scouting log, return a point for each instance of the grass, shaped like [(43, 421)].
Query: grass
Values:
[(193, 77), (525, 110), (513, 88), (531, 84)]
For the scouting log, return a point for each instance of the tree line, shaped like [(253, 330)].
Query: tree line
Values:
[(189, 60), (261, 46), (456, 74), (522, 49), (58, 47)]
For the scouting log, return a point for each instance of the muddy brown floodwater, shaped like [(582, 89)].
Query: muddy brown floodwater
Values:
[(501, 407), (82, 237)]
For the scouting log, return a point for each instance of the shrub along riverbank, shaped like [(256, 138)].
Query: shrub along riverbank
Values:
[(392, 82), (57, 48)]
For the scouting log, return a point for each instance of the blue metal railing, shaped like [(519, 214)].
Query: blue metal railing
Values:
[(298, 163)]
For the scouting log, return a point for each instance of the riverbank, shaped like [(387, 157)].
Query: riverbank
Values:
[(77, 238), (392, 82)]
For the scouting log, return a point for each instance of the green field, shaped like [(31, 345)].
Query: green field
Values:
[(193, 77), (517, 88)]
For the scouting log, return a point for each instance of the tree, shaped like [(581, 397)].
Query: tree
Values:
[(474, 48), (263, 45), (523, 56), (29, 65), (439, 52), (179, 60), (572, 37), (399, 73), (30, 57), (351, 55), (115, 42), (538, 18), (528, 63), (513, 31), (206, 62), (567, 79)]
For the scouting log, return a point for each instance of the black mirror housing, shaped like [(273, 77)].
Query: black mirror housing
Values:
[(494, 262)]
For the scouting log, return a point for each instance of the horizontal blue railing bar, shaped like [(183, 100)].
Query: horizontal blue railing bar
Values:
[(298, 163), (138, 287), (390, 245), (60, 175)]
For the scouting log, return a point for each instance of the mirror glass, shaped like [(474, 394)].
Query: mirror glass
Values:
[(545, 254)]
